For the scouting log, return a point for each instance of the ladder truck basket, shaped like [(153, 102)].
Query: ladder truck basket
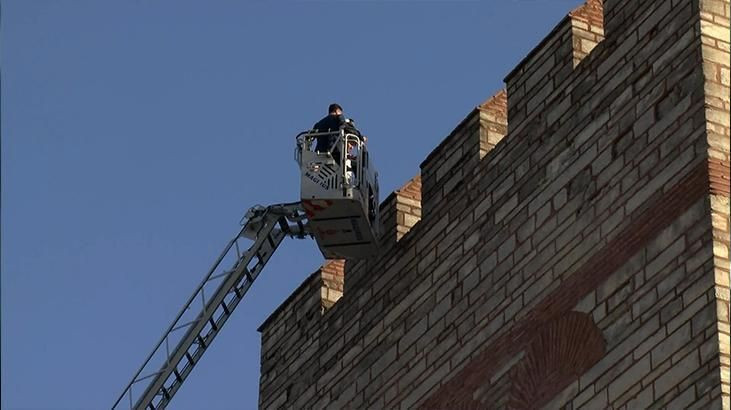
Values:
[(339, 193)]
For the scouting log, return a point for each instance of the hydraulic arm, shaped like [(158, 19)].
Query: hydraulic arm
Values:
[(206, 311), (339, 209)]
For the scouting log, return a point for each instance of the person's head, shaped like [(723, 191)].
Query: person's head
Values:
[(335, 109)]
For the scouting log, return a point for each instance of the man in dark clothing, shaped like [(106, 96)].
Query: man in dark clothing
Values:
[(333, 122)]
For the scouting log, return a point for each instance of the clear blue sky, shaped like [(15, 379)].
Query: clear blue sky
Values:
[(136, 133)]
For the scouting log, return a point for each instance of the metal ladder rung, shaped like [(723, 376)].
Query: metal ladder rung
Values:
[(178, 377), (190, 358), (213, 324)]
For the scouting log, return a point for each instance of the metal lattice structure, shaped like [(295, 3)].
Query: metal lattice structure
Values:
[(206, 311)]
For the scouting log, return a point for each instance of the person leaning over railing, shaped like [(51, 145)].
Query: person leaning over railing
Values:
[(334, 121)]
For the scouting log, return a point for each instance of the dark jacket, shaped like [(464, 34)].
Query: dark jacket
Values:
[(330, 123)]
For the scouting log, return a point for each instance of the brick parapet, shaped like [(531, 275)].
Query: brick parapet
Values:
[(445, 167), (587, 28), (458, 156), (400, 211), (541, 75), (618, 12), (493, 121), (283, 333), (599, 204), (332, 275)]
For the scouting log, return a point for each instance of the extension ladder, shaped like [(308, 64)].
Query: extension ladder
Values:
[(203, 316)]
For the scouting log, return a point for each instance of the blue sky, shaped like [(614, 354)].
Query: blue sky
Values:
[(136, 133)]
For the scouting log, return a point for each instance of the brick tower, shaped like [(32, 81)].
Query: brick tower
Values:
[(566, 246)]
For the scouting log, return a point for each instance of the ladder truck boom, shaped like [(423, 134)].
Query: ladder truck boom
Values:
[(187, 338), (338, 208)]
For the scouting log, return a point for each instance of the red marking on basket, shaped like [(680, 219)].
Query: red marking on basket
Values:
[(313, 206)]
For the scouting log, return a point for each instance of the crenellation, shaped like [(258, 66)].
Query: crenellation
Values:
[(537, 80), (493, 121)]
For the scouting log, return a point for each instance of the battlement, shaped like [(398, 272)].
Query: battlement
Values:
[(450, 163), (579, 217), (535, 80)]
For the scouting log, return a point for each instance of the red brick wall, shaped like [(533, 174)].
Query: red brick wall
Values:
[(573, 244)]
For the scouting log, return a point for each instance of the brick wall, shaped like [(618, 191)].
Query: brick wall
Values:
[(565, 246)]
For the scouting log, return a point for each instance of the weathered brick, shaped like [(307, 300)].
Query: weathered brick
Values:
[(676, 374), (628, 378), (668, 346)]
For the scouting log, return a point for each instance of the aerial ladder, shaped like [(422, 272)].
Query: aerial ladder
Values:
[(338, 208)]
